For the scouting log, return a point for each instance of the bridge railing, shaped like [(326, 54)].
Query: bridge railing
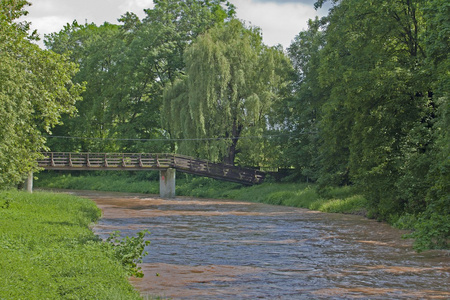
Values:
[(217, 170), (54, 160), (140, 161)]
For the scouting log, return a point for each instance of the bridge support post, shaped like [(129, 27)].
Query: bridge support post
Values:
[(167, 183), (29, 183)]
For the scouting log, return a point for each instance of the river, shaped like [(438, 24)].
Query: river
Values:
[(225, 249)]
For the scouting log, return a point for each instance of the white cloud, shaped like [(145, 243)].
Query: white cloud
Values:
[(48, 24), (280, 22), (136, 6), (51, 15)]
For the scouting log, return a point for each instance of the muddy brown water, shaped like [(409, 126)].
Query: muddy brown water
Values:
[(225, 249)]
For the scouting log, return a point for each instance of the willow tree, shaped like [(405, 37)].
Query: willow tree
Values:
[(232, 81)]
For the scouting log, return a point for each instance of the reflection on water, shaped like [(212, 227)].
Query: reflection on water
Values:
[(216, 249)]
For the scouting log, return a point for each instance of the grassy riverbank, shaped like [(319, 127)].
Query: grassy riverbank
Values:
[(339, 200), (49, 252)]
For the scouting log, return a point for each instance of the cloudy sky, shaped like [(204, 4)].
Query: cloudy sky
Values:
[(280, 20)]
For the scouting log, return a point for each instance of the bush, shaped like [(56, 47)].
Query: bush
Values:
[(432, 231), (130, 251)]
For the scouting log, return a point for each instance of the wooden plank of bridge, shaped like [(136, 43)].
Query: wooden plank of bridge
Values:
[(137, 161)]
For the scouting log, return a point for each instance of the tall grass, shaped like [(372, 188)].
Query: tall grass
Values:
[(49, 252), (336, 200)]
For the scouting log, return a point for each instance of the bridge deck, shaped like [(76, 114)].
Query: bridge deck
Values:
[(148, 161)]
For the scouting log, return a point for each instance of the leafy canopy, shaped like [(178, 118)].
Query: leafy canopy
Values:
[(35, 89), (372, 82), (232, 81), (126, 68)]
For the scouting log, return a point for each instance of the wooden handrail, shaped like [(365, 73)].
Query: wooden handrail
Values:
[(146, 161)]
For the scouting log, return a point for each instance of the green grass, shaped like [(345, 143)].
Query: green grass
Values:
[(49, 252), (99, 181), (335, 200)]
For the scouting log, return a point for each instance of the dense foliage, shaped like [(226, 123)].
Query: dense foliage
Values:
[(35, 89), (126, 68), (372, 92), (231, 84)]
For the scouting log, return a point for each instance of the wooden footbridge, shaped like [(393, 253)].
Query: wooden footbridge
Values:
[(164, 162)]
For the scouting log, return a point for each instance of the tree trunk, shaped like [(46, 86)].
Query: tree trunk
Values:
[(232, 151)]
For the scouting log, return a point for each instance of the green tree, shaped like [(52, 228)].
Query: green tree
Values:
[(126, 68), (163, 35), (232, 81), (112, 105), (300, 114), (35, 89), (384, 125), (433, 225), (97, 51), (156, 48), (372, 64)]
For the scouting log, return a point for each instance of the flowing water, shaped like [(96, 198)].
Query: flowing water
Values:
[(224, 249)]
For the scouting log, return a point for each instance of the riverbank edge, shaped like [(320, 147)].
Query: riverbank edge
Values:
[(303, 195), (49, 250)]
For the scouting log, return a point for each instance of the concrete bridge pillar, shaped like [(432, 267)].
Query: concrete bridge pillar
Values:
[(28, 186), (167, 183)]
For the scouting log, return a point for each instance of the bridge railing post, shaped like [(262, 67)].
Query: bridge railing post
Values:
[(123, 163)]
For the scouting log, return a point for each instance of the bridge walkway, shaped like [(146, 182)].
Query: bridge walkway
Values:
[(149, 161)]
